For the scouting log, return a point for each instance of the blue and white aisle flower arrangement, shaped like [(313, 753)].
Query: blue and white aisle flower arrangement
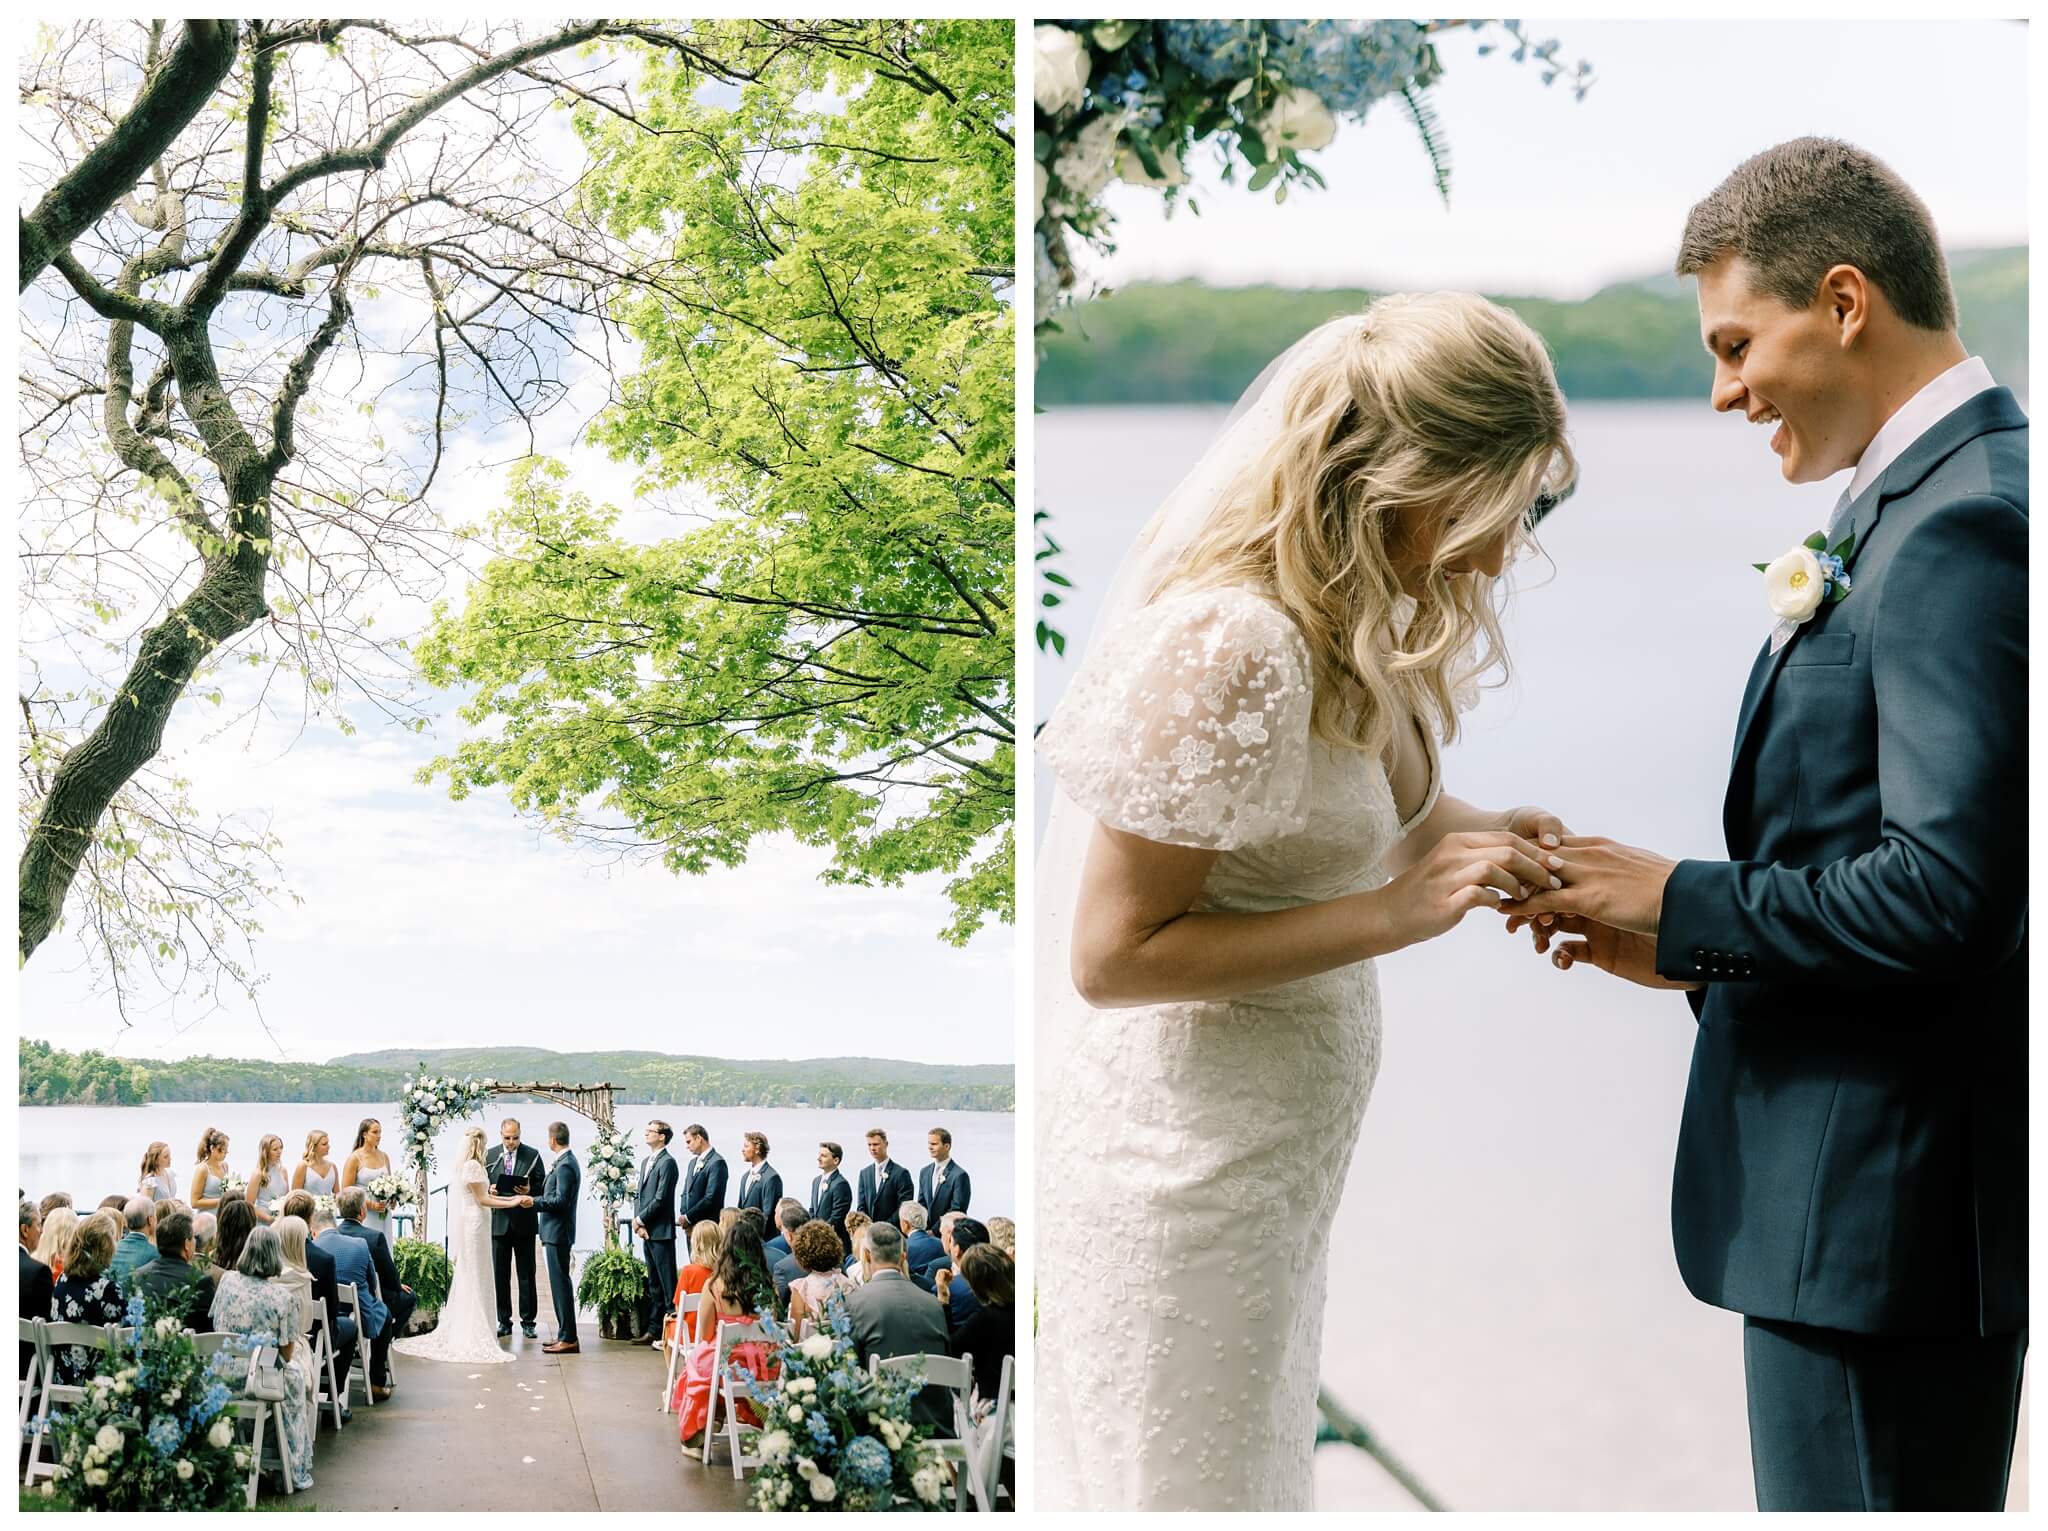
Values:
[(835, 1438), (612, 1170), (152, 1432)]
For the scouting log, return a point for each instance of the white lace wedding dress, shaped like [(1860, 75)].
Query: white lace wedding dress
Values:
[(1191, 1156), (467, 1329)]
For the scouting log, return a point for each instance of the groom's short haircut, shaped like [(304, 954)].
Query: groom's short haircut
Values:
[(1798, 209), (558, 1134), (760, 1143), (664, 1129), (348, 1201)]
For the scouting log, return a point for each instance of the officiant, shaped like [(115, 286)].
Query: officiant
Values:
[(515, 1169)]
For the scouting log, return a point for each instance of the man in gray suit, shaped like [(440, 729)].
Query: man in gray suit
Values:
[(1852, 1161), (556, 1205), (891, 1317)]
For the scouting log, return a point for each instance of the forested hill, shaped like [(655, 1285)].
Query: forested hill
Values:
[(1186, 343), (52, 1077)]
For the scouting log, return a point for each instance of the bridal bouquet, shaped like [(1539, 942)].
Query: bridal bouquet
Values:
[(1130, 100), (392, 1189), (427, 1101), (835, 1438), (151, 1432), (612, 1170)]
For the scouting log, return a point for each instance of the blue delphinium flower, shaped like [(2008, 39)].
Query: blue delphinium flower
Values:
[(132, 1315), (821, 1428), (866, 1462), (165, 1435)]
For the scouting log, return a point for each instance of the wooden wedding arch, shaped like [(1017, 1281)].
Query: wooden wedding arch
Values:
[(593, 1101)]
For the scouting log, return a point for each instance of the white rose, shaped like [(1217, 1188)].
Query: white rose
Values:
[(817, 1348), (108, 1439), (1132, 169), (805, 1467), (1083, 168), (823, 1489), (1299, 120), (95, 1477), (775, 1446), (168, 1327), (1794, 585), (184, 1468), (221, 1434), (48, 1489), (925, 1482), (1037, 191), (796, 1415), (1059, 69), (782, 1492)]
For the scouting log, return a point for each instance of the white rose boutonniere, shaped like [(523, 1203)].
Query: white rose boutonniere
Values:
[(1798, 583)]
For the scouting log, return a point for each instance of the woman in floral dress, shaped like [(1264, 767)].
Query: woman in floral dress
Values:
[(85, 1294), (251, 1303)]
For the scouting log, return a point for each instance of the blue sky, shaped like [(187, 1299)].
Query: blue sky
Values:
[(1556, 198)]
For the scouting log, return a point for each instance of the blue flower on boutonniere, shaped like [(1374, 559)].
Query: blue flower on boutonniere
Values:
[(1800, 582)]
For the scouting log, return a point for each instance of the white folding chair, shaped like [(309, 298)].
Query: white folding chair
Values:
[(257, 1412), (360, 1366), (51, 1337), (678, 1346), (957, 1377), (31, 1374), (325, 1389), (993, 1440), (725, 1390)]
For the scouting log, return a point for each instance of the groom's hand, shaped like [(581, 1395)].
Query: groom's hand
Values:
[(1623, 953), (1613, 884)]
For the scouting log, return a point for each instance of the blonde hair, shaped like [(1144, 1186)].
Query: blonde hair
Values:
[(707, 1243), (263, 1146), (291, 1238), (1435, 413), (56, 1240), (473, 1144), (312, 1138)]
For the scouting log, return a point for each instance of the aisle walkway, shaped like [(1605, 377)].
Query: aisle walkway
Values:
[(581, 1432)]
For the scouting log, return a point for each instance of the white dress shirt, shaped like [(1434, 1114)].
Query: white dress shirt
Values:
[(1918, 415)]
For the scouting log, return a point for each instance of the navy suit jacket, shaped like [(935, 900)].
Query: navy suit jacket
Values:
[(352, 1263), (832, 1199), (655, 1205), (704, 1192), (921, 1252), (952, 1196), (881, 1201), (764, 1192), (556, 1203), (1853, 1151)]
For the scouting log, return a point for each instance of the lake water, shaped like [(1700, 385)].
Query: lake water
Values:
[(94, 1151), (1506, 1314)]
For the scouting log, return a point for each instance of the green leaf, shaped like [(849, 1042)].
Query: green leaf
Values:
[(1263, 176), (1836, 594), (1761, 568), (1818, 542), (1240, 90), (1845, 547)]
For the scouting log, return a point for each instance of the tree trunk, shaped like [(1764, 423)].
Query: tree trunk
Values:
[(228, 598), (109, 172)]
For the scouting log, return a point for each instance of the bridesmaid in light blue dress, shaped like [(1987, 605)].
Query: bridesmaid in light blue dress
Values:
[(159, 1181), (315, 1175), (209, 1175), (365, 1162), (269, 1183)]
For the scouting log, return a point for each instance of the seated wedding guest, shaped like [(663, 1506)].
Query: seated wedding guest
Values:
[(158, 1181), (114, 1203), (172, 1283), (293, 1273), (920, 1250), (961, 1234), (352, 1221), (707, 1239), (232, 1225), (59, 1223), (36, 1280), (52, 1202), (855, 1221), (816, 1248), (856, 1266), (353, 1266), (341, 1327), (254, 1305), (891, 1317), (753, 1215), (85, 1294), (726, 1219), (790, 1214), (205, 1229), (1003, 1234), (784, 1268), (991, 1333), (138, 1239), (740, 1291)]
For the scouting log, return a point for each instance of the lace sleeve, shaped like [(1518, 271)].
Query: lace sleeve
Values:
[(473, 1173), (1190, 726)]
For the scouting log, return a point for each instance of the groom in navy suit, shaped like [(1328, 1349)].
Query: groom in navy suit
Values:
[(1852, 1159)]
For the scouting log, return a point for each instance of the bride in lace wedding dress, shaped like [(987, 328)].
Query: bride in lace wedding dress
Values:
[(1250, 809), (467, 1328)]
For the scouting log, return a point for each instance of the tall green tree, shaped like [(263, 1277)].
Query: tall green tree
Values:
[(826, 352)]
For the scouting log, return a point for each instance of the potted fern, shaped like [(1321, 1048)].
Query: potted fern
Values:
[(614, 1286)]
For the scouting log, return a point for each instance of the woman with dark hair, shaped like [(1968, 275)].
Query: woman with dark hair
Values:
[(740, 1290), (231, 1234), (365, 1162), (85, 1293), (252, 1303), (210, 1174), (991, 1333)]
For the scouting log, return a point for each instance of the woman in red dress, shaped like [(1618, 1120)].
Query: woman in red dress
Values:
[(739, 1291)]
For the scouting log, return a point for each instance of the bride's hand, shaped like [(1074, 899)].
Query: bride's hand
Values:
[(1463, 871), (1537, 824)]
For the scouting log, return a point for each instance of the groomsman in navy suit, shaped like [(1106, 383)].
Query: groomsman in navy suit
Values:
[(942, 1185), (883, 1186), (831, 1196), (703, 1181), (760, 1186)]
